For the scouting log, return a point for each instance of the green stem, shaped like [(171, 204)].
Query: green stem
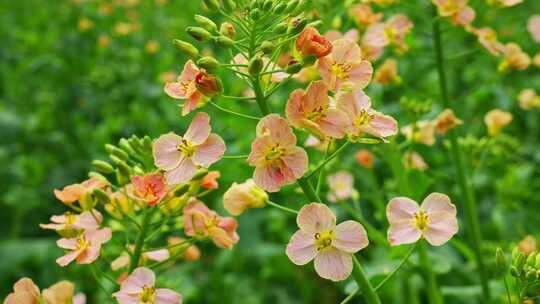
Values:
[(281, 207), (321, 172), (328, 159), (259, 96), (140, 241), (364, 285), (507, 290), (471, 213), (308, 190), (433, 292), (232, 112)]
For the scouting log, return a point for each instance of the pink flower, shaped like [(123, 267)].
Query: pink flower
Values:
[(362, 118), (79, 192), (240, 197), (311, 43), (122, 261), (344, 67), (85, 248), (150, 187), (24, 292), (458, 10), (209, 181), (487, 37), (336, 35), (413, 160), (139, 288), (311, 110), (70, 224), (199, 221), (533, 25), (341, 186), (364, 15), (331, 246), (435, 220), (185, 88), (275, 156), (393, 31), (180, 156)]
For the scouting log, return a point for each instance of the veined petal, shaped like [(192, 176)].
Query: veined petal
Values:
[(301, 248), (403, 232), (166, 154), (382, 125), (350, 237), (315, 218), (334, 123), (210, 151), (199, 129), (333, 264), (182, 174), (441, 227), (401, 208)]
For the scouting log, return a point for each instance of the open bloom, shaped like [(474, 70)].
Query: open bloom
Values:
[(362, 118), (533, 25), (79, 192), (331, 246), (458, 10), (435, 220), (344, 67), (275, 156), (364, 15), (341, 185), (185, 88), (487, 37), (85, 248), (202, 222), (311, 110), (447, 120), (312, 43), (413, 160), (122, 261), (139, 288), (26, 292), (497, 119), (514, 58), (386, 74), (528, 99), (70, 224), (239, 197), (393, 31), (180, 156), (150, 187)]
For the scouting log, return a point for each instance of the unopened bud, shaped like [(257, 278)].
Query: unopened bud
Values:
[(291, 6), (519, 260), (227, 30), (115, 151), (209, 63), (297, 26), (309, 60), (208, 84), (101, 196), (513, 271), (230, 4), (315, 24), (255, 66), (280, 8), (103, 166), (531, 259), (255, 14), (337, 22), (267, 47), (500, 260), (281, 28), (206, 23), (267, 5), (293, 67), (96, 175), (198, 33), (212, 4), (224, 41), (187, 48), (299, 7), (126, 146), (531, 275)]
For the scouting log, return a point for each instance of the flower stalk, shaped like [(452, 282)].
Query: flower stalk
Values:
[(139, 244), (364, 285)]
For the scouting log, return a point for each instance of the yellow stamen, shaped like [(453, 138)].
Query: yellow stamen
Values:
[(148, 295), (363, 119), (82, 243), (421, 220), (324, 239), (187, 148), (70, 218), (342, 71), (274, 153), (316, 114)]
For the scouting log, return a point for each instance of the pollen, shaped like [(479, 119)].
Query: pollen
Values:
[(187, 148), (316, 114), (148, 295), (421, 220), (342, 71), (363, 119), (82, 243), (274, 153), (324, 239)]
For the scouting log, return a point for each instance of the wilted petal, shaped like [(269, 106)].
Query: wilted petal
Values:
[(314, 218), (333, 264), (350, 237), (301, 248)]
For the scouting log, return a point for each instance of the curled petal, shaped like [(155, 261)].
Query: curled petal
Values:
[(333, 264)]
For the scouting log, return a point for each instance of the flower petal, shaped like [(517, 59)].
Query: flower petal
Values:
[(68, 258), (199, 129), (437, 202), (314, 218), (350, 237), (138, 279), (210, 151), (296, 160), (166, 154), (269, 178), (441, 227), (277, 128), (382, 125), (333, 264), (167, 296), (346, 51), (361, 74), (182, 174), (301, 248), (403, 232), (401, 208)]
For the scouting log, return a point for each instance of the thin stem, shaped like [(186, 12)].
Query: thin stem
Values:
[(403, 261), (234, 156), (363, 283), (507, 290), (471, 212), (232, 112), (237, 97), (308, 190), (319, 178), (281, 207), (433, 291), (328, 159), (260, 98), (140, 241), (98, 282)]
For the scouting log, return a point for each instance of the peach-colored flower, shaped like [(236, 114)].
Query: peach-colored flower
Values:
[(514, 58), (393, 32), (139, 288), (386, 73), (528, 245), (413, 160), (185, 88), (26, 292), (371, 53), (365, 158), (62, 293), (79, 192), (275, 156), (487, 37), (362, 118), (85, 248), (458, 10), (312, 43), (341, 185), (70, 224), (336, 35), (209, 181), (497, 119), (150, 187), (435, 220), (331, 246), (446, 120), (528, 99), (424, 132), (240, 197), (344, 67), (364, 15), (180, 156), (201, 222), (311, 110)]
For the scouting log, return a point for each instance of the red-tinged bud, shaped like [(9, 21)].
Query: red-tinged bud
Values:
[(208, 84), (293, 67), (228, 30), (310, 42), (198, 33)]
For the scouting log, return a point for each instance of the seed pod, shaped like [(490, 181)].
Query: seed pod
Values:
[(212, 4), (103, 166), (315, 24), (255, 14), (297, 26), (208, 62), (206, 23), (187, 48), (115, 151), (224, 41), (198, 33), (228, 30), (267, 47), (255, 66)]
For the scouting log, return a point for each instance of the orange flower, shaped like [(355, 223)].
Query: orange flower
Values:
[(446, 120), (209, 181), (365, 158), (311, 43), (387, 74)]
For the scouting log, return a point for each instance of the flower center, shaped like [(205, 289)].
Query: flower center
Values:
[(70, 218), (148, 295), (184, 87), (363, 118), (210, 222), (316, 114), (82, 243), (390, 33), (421, 220), (342, 71), (274, 153), (324, 239), (187, 148)]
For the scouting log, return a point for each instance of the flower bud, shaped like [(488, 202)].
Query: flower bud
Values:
[(297, 26), (291, 6), (293, 67), (208, 63), (187, 48), (315, 24), (281, 28), (500, 260), (102, 166), (311, 43), (239, 197), (531, 275), (198, 33), (280, 8), (227, 30), (531, 259), (255, 14), (115, 151), (208, 84), (299, 7), (206, 23), (267, 5), (230, 4), (513, 271), (519, 260), (126, 146), (101, 196), (224, 41), (255, 65), (267, 47), (212, 4), (96, 175)]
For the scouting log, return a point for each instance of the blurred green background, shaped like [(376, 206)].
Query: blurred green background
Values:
[(78, 74)]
